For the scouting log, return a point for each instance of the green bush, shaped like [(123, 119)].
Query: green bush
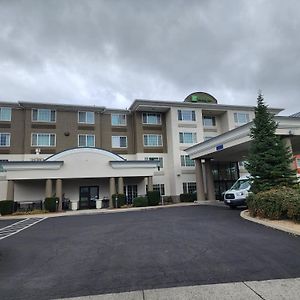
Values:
[(120, 202), (140, 201), (190, 197), (7, 207), (51, 203), (153, 198), (283, 203)]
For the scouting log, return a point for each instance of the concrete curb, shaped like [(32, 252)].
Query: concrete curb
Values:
[(269, 223), (97, 211)]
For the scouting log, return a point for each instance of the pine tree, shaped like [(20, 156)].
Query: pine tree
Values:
[(269, 159)]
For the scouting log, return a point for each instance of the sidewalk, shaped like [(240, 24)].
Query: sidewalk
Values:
[(277, 289), (100, 211), (284, 225)]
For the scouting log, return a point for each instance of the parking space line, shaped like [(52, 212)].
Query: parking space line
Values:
[(18, 226)]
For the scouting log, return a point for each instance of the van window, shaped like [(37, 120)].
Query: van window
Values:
[(241, 184)]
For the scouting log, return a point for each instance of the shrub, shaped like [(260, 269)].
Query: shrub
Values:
[(7, 207), (121, 200), (51, 203), (275, 204), (140, 201), (190, 197), (153, 198)]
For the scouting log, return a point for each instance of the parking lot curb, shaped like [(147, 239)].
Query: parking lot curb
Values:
[(96, 211), (269, 223)]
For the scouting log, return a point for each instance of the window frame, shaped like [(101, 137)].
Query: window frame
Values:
[(185, 161), (214, 121), (9, 138), (119, 124), (145, 121), (86, 135), (236, 118), (180, 115), (2, 108), (189, 187), (194, 137), (86, 112), (153, 134), (43, 133), (39, 111), (119, 137)]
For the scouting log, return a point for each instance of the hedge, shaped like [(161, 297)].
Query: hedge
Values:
[(121, 200), (190, 197), (140, 201), (283, 203), (51, 203), (7, 207), (153, 198)]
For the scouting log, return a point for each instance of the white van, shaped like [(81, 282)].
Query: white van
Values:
[(236, 195)]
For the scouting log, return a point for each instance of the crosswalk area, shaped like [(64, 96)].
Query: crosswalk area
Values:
[(18, 226)]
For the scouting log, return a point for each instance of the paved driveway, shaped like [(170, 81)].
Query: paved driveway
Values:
[(96, 254)]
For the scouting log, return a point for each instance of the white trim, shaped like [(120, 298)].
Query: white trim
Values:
[(42, 121), (43, 146), (80, 150), (118, 114), (9, 108), (9, 137), (86, 135), (153, 146), (85, 111), (11, 166)]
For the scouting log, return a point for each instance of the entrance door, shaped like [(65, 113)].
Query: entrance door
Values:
[(88, 196), (130, 192)]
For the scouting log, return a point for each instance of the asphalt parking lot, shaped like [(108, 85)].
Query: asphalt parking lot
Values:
[(105, 253)]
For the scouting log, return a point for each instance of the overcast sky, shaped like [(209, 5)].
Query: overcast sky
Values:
[(112, 52)]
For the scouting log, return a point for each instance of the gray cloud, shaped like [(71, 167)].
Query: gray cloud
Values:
[(112, 52)]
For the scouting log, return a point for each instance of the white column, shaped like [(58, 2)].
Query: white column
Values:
[(59, 193), (199, 180), (150, 184), (10, 190), (120, 185), (48, 188), (211, 195), (112, 190)]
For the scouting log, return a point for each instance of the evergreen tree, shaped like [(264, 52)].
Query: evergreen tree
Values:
[(269, 159)]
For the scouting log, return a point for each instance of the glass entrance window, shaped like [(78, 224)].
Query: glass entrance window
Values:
[(130, 191), (88, 196)]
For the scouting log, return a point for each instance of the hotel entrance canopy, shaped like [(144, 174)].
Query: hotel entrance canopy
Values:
[(234, 145)]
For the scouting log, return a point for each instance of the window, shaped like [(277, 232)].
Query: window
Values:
[(189, 187), (298, 162), (118, 119), (5, 114), (86, 140), (43, 115), (4, 139), (209, 121), (43, 139), (186, 161), (241, 118), (86, 117), (119, 141), (159, 188), (186, 115), (152, 140), (187, 137), (151, 118), (160, 159)]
